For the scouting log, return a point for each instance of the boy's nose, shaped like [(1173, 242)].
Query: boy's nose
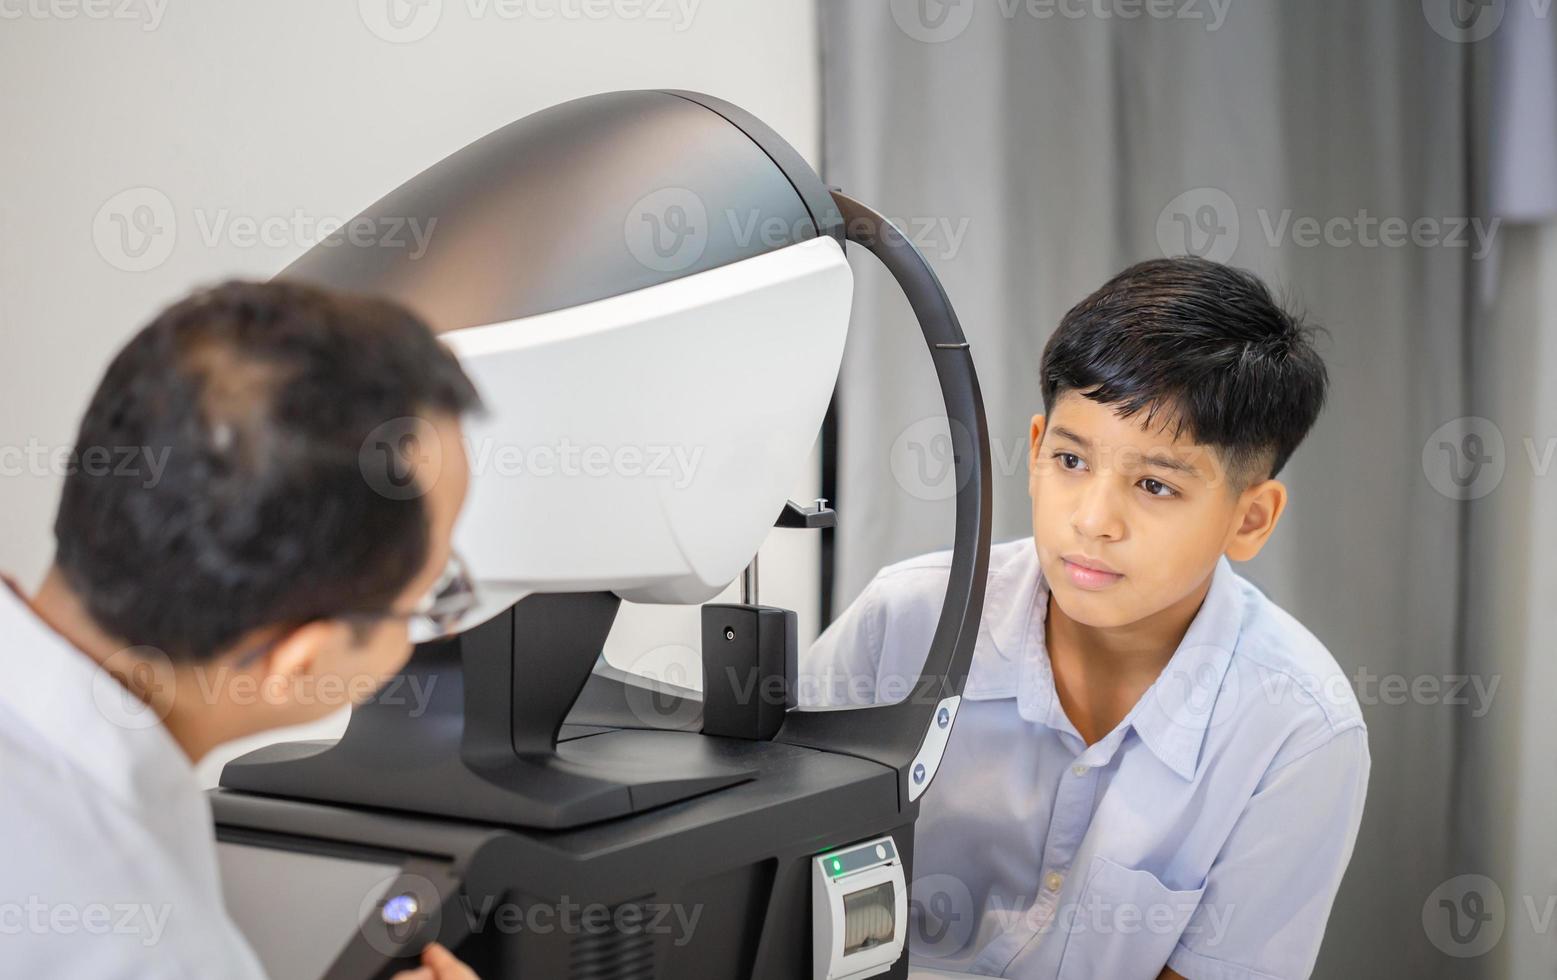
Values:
[(1097, 513)]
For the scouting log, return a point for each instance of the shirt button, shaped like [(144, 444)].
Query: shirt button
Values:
[(1079, 769), (1053, 880)]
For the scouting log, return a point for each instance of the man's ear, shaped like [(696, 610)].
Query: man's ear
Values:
[(1259, 508), (1034, 438), (301, 651)]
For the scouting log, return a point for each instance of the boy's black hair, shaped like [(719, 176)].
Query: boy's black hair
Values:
[(259, 397), (1206, 345)]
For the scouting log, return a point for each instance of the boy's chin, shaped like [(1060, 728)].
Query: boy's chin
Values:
[(1099, 610)]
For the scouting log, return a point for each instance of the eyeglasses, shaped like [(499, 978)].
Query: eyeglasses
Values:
[(438, 614), (443, 608)]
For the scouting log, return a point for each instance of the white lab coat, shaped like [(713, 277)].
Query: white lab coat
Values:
[(107, 857)]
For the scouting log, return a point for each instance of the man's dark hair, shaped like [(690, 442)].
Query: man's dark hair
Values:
[(1199, 343), (260, 397)]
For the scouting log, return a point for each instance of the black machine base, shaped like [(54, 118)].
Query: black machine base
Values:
[(715, 886), (474, 728)]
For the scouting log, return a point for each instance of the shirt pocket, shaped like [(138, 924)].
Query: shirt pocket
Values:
[(1125, 925)]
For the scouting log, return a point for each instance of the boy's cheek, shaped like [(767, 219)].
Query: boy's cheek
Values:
[(1051, 511)]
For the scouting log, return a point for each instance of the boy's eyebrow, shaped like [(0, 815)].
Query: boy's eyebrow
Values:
[(1065, 433), (1170, 463), (1155, 459)]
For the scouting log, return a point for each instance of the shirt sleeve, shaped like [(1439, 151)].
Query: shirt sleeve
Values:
[(842, 667), (1269, 892)]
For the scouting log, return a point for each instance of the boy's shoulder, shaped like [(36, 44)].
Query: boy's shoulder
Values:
[(905, 600), (914, 588), (912, 578), (1284, 675)]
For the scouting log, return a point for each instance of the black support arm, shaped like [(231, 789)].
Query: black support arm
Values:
[(893, 734)]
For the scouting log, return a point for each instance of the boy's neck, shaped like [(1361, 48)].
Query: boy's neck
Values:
[(1101, 672)]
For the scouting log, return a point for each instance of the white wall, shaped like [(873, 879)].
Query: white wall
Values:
[(283, 113)]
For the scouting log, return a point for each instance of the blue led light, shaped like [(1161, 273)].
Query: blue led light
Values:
[(399, 910)]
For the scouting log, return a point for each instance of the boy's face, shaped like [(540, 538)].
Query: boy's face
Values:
[(1130, 520)]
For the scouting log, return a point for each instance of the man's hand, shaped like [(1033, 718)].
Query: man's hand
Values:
[(438, 964)]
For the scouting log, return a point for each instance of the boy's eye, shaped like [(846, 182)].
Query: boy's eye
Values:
[(1069, 461), (1157, 488)]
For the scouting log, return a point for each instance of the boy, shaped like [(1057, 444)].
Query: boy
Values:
[(1155, 771), (244, 550)]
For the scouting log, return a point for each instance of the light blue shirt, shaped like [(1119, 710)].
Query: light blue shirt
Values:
[(1207, 832)]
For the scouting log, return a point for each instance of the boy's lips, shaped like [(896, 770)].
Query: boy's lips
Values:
[(1089, 573)]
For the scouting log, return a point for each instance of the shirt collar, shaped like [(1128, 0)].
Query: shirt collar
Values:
[(1173, 715), (82, 714), (1015, 600)]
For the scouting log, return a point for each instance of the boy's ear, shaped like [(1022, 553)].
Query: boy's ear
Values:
[(1259, 508), (1034, 437)]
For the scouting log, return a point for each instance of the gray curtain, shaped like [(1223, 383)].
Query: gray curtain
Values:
[(1507, 782), (1032, 153)]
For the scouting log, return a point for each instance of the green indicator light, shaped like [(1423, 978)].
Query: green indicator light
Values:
[(837, 866)]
